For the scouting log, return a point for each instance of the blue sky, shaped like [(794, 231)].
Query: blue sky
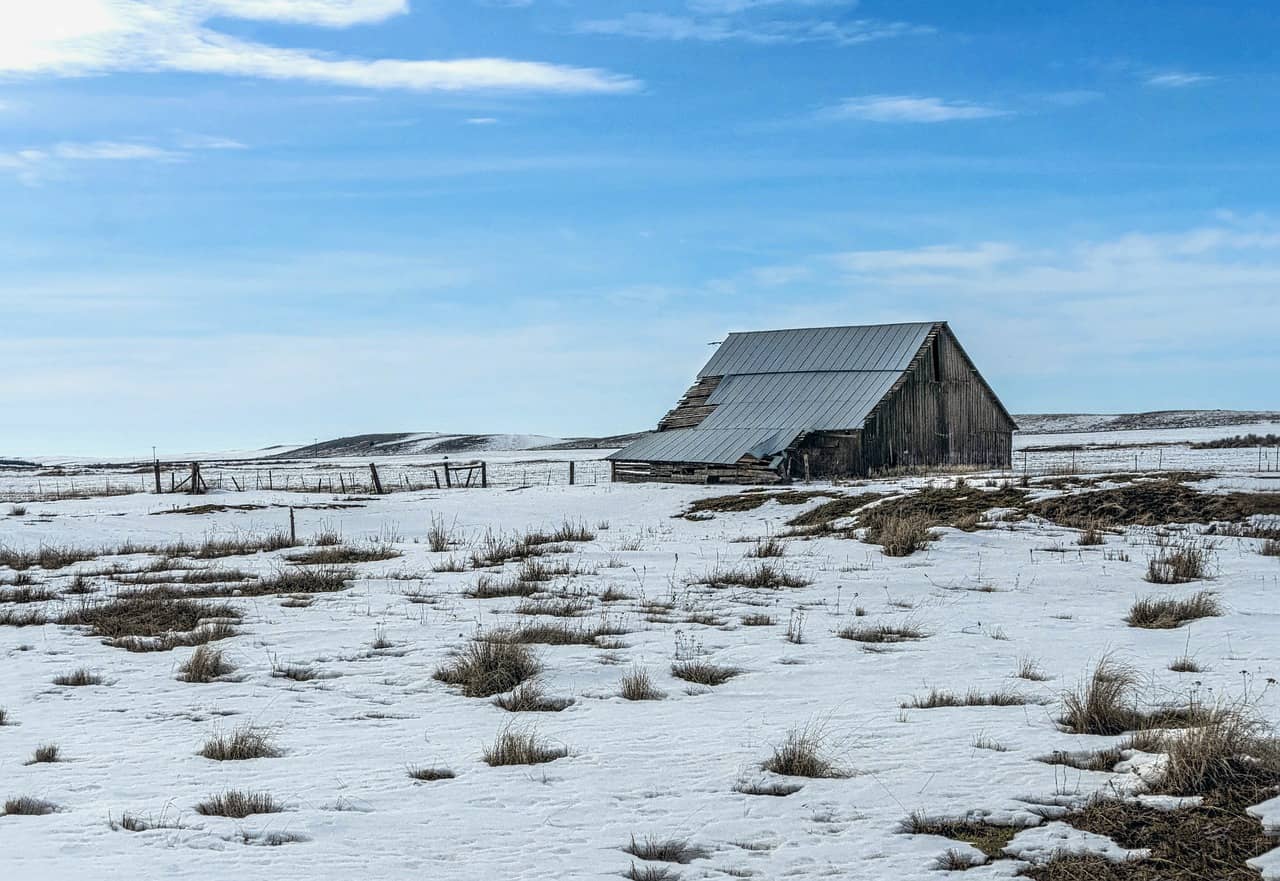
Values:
[(229, 223)]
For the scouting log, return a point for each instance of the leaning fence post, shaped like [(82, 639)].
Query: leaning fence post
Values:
[(377, 482)]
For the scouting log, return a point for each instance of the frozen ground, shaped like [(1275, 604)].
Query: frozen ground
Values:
[(987, 600)]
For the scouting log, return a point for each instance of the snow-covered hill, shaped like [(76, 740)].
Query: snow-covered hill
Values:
[(1073, 423)]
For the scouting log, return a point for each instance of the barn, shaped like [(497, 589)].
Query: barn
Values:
[(825, 402)]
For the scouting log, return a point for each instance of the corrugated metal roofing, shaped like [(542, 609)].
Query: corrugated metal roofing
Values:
[(779, 384), (873, 347)]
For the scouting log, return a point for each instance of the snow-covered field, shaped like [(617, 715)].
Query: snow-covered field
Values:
[(987, 601)]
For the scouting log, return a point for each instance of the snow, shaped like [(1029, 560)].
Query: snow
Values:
[(666, 768)]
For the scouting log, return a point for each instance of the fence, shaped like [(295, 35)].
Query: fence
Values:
[(374, 479)]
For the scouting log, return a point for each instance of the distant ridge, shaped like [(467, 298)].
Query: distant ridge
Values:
[(1067, 423)]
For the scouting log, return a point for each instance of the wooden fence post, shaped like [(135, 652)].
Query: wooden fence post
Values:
[(484, 475), (158, 490), (293, 527), (448, 481), (377, 482), (570, 472)]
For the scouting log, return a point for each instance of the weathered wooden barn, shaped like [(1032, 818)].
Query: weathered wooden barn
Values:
[(823, 402)]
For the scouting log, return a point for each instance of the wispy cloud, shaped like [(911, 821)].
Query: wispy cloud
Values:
[(34, 166), (1177, 79), (909, 108), (82, 37), (728, 25)]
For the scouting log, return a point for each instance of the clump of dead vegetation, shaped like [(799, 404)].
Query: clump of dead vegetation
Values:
[(805, 753), (769, 546), (988, 838), (238, 804), (26, 594), (1179, 563), (1229, 760), (881, 633), (45, 754), (972, 698), (557, 633), (747, 500), (765, 576), (204, 665), (821, 519), (531, 697), (515, 746), (1107, 702), (638, 685), (1166, 613), (244, 743), (340, 554), (27, 806), (488, 667), (1154, 503), (703, 672), (900, 536), (79, 678), (154, 620), (429, 774), (665, 850)]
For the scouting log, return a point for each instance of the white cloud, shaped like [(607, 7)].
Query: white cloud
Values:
[(719, 29), (84, 37), (35, 165), (1177, 79), (909, 108)]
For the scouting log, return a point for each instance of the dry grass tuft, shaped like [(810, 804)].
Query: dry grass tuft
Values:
[(77, 678), (27, 806), (765, 576), (1105, 703), (45, 754), (1166, 613), (151, 615), (1091, 534), (323, 579), (246, 742), (651, 873), (768, 547), (343, 554), (27, 594), (237, 804), (522, 747), (757, 619), (804, 754), (972, 698), (703, 672), (901, 535), (1029, 669), (204, 665), (529, 697), (1270, 548), (1232, 749), (430, 774), (881, 633), (665, 850), (1178, 564), (1185, 664), (637, 685), (486, 667)]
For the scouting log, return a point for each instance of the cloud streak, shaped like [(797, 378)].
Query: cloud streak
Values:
[(730, 26), (909, 109), (87, 37)]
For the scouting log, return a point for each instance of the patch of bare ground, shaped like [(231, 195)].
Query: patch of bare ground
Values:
[(154, 620), (1153, 503), (988, 838), (748, 500), (821, 519)]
